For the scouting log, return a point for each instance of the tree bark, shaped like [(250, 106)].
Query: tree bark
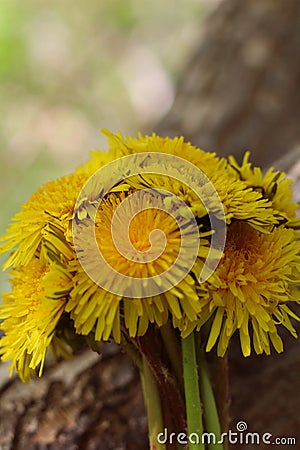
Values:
[(240, 91), (87, 403)]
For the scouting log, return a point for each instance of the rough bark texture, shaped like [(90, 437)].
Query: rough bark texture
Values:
[(240, 91), (87, 403), (241, 88)]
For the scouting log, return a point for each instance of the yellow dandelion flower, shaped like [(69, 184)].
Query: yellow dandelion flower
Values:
[(93, 309), (251, 288), (98, 158), (176, 146), (232, 192), (30, 314), (133, 302), (136, 256), (273, 185), (47, 215), (132, 247), (239, 201)]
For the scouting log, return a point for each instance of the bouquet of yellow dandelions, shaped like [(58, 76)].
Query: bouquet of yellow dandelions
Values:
[(167, 250)]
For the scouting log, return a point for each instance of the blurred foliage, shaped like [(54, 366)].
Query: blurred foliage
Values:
[(68, 70)]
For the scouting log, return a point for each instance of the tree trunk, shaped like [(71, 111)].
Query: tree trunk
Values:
[(87, 403), (240, 91)]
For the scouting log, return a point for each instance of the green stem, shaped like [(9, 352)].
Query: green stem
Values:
[(192, 392), (172, 399), (211, 416), (172, 346), (153, 406)]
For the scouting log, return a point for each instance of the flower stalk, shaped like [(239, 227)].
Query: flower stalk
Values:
[(192, 391), (173, 349), (171, 397), (210, 412), (153, 406)]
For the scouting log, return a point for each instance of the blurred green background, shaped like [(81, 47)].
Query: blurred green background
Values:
[(67, 70)]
